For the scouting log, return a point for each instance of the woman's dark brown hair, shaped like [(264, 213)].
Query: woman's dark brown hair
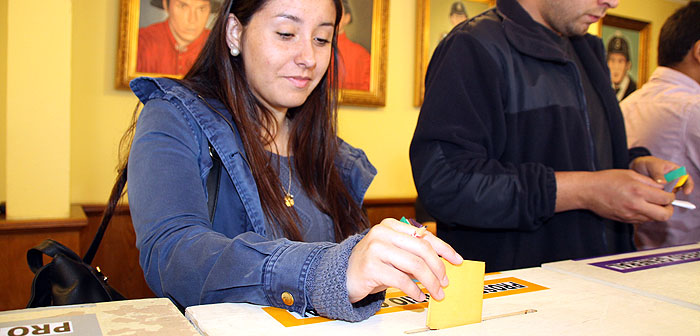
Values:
[(313, 128)]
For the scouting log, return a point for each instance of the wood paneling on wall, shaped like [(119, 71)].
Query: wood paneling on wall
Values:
[(117, 257), (18, 236), (378, 209)]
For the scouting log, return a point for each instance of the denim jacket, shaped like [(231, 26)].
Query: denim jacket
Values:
[(192, 260)]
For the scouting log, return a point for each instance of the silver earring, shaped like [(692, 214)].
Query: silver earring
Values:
[(234, 51)]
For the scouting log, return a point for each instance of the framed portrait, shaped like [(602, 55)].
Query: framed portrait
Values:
[(627, 52), (161, 37), (362, 52), (434, 19)]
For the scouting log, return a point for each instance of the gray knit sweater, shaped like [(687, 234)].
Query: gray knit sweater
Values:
[(327, 286)]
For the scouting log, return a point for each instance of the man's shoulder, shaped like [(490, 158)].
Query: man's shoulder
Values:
[(482, 32), (157, 27), (656, 92), (351, 49), (156, 31), (487, 26)]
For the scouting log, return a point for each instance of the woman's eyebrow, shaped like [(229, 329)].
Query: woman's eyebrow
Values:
[(299, 20)]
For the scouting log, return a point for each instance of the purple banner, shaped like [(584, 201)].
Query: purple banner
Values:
[(650, 261)]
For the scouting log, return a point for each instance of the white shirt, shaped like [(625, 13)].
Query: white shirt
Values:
[(664, 116)]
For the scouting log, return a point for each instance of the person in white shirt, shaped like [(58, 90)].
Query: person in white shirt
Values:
[(664, 116)]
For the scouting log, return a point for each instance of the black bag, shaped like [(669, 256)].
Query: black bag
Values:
[(68, 279)]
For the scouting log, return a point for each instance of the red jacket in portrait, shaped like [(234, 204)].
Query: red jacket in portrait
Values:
[(354, 65), (158, 52)]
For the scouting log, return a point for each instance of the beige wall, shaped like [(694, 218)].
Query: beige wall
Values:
[(3, 98), (100, 113)]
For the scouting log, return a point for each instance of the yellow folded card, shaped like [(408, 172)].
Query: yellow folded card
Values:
[(464, 297)]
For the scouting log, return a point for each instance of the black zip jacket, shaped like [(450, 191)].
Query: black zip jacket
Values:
[(504, 109)]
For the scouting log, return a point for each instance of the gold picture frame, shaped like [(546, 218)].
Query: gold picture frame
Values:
[(137, 14), (426, 32), (128, 38), (378, 37), (375, 12), (637, 33)]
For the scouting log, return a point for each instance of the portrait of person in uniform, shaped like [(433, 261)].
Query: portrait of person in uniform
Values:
[(171, 46), (619, 62), (354, 64), (458, 14)]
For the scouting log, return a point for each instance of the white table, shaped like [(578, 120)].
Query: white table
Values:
[(129, 317), (568, 306), (658, 273)]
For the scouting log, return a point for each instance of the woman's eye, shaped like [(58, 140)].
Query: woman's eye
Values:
[(285, 36), (322, 41)]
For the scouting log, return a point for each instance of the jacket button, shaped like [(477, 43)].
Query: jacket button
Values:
[(287, 298)]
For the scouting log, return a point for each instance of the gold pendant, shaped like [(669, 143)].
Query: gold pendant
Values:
[(288, 200)]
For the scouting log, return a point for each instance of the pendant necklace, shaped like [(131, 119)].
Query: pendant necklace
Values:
[(288, 197)]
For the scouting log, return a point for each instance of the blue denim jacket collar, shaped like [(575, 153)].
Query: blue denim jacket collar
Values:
[(354, 167)]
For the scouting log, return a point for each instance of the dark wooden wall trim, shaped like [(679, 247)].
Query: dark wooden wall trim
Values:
[(380, 208), (18, 236), (117, 256), (76, 220)]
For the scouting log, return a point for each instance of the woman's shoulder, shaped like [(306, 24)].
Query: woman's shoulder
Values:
[(149, 88), (352, 160), (347, 151)]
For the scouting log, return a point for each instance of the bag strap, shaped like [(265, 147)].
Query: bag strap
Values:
[(213, 182), (212, 188), (51, 248), (107, 215)]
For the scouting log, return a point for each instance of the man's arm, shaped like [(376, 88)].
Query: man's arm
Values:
[(461, 129), (628, 195)]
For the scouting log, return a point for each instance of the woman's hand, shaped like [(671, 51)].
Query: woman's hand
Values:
[(388, 256)]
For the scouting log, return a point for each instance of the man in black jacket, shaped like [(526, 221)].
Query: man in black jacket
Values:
[(520, 151)]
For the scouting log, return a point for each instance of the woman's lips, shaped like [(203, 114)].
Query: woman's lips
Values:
[(299, 81)]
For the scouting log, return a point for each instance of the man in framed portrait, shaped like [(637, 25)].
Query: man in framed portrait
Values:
[(458, 14), (619, 62), (171, 46), (354, 63)]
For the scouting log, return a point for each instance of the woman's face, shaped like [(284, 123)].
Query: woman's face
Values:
[(286, 49)]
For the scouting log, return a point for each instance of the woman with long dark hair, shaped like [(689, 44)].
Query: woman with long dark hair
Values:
[(283, 225)]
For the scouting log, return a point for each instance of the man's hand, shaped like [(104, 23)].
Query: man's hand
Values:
[(619, 194), (656, 169)]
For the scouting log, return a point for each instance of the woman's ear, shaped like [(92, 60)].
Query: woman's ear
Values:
[(234, 30)]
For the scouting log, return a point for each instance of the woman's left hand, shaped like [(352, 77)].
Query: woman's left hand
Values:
[(389, 256)]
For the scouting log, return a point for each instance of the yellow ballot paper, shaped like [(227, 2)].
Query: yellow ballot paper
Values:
[(464, 296)]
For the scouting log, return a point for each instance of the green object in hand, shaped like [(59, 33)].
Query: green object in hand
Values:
[(674, 174)]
